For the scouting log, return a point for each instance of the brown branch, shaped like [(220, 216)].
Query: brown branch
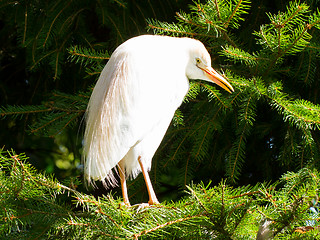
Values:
[(99, 209), (208, 89), (116, 27), (297, 39), (295, 13), (281, 53), (224, 32), (26, 112), (40, 59), (188, 21), (199, 201), (92, 225), (217, 8), (232, 15), (269, 196), (25, 25), (70, 19), (61, 129), (227, 38), (16, 217), (295, 115), (48, 123), (186, 170), (245, 57), (17, 160), (137, 235), (67, 110), (55, 94), (202, 142), (309, 66), (73, 52), (241, 139), (56, 17), (181, 32)]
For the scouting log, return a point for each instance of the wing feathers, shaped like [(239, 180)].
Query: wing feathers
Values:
[(103, 143)]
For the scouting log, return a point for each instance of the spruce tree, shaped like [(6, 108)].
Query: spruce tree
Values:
[(37, 206), (267, 130)]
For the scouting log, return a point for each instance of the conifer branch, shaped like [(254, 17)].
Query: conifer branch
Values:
[(95, 226), (274, 110), (217, 9), (188, 21), (74, 51), (144, 232), (186, 169), (287, 109), (116, 27), (122, 4), (69, 20), (302, 36), (66, 124), (99, 209), (232, 14), (5, 112), (62, 115), (151, 26), (202, 141), (211, 92), (36, 62), (54, 20), (25, 25), (221, 210), (239, 149)]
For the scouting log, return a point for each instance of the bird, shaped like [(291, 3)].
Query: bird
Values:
[(133, 102)]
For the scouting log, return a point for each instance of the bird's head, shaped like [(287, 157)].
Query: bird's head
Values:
[(199, 67)]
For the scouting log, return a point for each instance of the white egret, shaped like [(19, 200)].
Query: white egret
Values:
[(134, 101)]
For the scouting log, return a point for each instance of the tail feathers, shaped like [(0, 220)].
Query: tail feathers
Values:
[(102, 153), (107, 177), (105, 141), (101, 159)]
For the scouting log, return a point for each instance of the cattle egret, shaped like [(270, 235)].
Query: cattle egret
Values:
[(134, 101)]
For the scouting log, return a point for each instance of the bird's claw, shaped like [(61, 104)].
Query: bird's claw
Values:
[(125, 204), (142, 206)]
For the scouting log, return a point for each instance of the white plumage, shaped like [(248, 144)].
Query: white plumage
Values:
[(134, 100)]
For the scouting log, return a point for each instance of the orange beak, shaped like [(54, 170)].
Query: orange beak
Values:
[(218, 79)]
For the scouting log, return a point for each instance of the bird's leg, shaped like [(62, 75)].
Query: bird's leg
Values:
[(152, 195), (123, 183)]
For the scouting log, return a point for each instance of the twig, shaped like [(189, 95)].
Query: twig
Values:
[(137, 235)]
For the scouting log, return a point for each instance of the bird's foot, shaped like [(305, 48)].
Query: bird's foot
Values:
[(125, 204), (141, 206), (153, 202)]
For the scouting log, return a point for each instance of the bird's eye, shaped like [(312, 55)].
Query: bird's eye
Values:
[(198, 60)]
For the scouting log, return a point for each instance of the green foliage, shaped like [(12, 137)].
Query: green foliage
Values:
[(52, 53), (33, 206), (60, 111), (86, 56), (271, 74), (267, 75)]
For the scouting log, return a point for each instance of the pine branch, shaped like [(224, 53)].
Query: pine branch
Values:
[(246, 118), (60, 112), (238, 55), (174, 30), (86, 56), (221, 211), (16, 111), (300, 113), (240, 8), (52, 23)]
